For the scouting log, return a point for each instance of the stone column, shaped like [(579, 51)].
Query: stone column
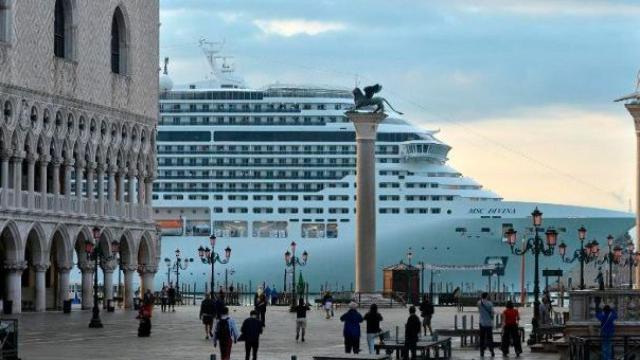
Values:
[(17, 181), (44, 161), (111, 188), (90, 196), (634, 109), (14, 283), (147, 275), (55, 181), (131, 198), (100, 172), (41, 290), (366, 125), (107, 271), (141, 189), (31, 179), (129, 271), (4, 168), (87, 269), (63, 284), (121, 175), (148, 197)]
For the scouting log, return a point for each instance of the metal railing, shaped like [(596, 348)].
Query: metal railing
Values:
[(589, 348)]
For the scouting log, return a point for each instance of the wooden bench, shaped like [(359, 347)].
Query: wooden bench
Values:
[(351, 357), (439, 349), (471, 337)]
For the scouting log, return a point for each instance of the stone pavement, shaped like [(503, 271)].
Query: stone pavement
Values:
[(180, 335)]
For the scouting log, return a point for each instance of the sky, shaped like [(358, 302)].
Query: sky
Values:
[(522, 90)]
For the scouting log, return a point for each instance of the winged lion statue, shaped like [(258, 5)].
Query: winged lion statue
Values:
[(366, 99)]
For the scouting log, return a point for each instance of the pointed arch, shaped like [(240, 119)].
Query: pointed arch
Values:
[(36, 249), (10, 242), (119, 41)]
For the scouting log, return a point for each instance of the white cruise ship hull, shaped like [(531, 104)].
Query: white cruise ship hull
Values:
[(470, 235)]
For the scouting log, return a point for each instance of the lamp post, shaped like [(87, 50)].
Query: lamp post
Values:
[(177, 265), (409, 257), (210, 256), (291, 260), (95, 253), (585, 254), (610, 258), (631, 261), (536, 246)]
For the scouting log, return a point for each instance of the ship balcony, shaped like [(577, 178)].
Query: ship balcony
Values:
[(424, 150)]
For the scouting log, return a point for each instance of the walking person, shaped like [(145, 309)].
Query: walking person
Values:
[(327, 302), (301, 318), (412, 330), (163, 299), (457, 298), (426, 311), (207, 314), (250, 333), (171, 295), (373, 320), (351, 331), (226, 334), (510, 330), (485, 308), (144, 314), (261, 307), (607, 317)]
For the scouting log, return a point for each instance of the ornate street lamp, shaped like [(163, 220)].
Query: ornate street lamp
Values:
[(610, 258), (585, 254), (94, 253), (210, 256), (291, 260), (409, 257), (176, 266), (537, 247), (631, 261)]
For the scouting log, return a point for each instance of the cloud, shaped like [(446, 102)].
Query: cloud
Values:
[(589, 8), (293, 27)]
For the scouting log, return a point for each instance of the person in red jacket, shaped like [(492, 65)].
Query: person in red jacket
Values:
[(510, 330)]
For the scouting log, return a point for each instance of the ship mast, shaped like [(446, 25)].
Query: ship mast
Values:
[(210, 50)]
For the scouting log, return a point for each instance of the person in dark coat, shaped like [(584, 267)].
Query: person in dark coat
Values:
[(426, 310), (412, 330), (171, 294), (207, 314), (351, 331), (250, 333), (261, 307), (373, 319), (301, 318), (607, 317)]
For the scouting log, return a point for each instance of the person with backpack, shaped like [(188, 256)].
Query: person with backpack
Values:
[(485, 308), (207, 314), (250, 333), (226, 334), (510, 330), (351, 331), (412, 330), (373, 319), (607, 317), (301, 318), (426, 311)]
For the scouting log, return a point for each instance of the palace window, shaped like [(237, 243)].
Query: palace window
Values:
[(62, 29), (118, 43)]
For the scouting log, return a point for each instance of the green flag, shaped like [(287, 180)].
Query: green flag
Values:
[(300, 289)]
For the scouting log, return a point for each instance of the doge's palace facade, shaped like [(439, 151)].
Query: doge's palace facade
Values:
[(78, 110)]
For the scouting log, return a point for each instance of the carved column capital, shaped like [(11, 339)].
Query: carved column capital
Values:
[(130, 267), (32, 158), (41, 267), (64, 268), (15, 266), (91, 165), (86, 267), (108, 266), (148, 269)]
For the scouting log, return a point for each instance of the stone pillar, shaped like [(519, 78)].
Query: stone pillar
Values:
[(17, 181), (131, 196), (63, 285), (87, 269), (4, 168), (56, 177), (148, 197), (14, 283), (129, 271), (41, 290), (120, 198), (634, 109), (147, 274), (107, 271), (141, 189), (100, 172), (31, 179), (90, 196), (44, 161), (68, 166), (366, 125)]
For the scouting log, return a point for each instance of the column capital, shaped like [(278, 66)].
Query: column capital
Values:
[(18, 156), (15, 266), (32, 158), (366, 123), (112, 169), (133, 172), (80, 163), (129, 267), (148, 269), (69, 162), (56, 162), (44, 158), (86, 267), (108, 266), (41, 267), (101, 167), (5, 154), (64, 268), (91, 165)]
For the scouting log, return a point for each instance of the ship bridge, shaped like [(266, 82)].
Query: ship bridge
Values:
[(424, 150)]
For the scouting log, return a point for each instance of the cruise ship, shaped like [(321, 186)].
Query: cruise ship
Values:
[(260, 168)]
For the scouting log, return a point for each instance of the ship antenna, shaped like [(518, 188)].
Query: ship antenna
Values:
[(210, 49), (166, 65)]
